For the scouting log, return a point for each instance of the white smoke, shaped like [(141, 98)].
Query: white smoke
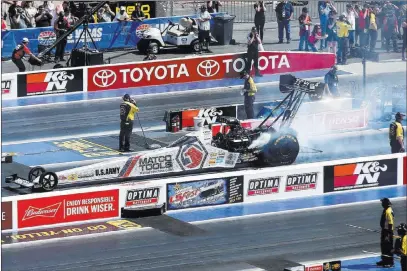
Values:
[(262, 140)]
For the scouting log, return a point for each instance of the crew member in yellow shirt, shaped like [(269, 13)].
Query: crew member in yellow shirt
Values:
[(386, 239), (401, 245), (127, 110), (343, 27), (396, 134), (249, 92)]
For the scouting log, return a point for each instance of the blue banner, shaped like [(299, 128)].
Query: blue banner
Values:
[(106, 36)]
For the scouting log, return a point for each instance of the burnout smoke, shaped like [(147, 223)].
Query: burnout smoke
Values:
[(263, 139)]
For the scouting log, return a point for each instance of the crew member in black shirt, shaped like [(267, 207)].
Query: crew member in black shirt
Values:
[(213, 6), (137, 14), (61, 25), (396, 134), (43, 17), (253, 41)]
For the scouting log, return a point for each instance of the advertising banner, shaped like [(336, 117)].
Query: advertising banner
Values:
[(210, 115), (204, 193), (360, 175), (404, 170), (50, 82), (105, 35), (68, 208), (8, 86), (333, 266), (141, 197), (6, 215), (315, 267), (195, 69)]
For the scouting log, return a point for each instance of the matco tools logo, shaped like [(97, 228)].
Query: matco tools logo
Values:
[(104, 78), (49, 211), (192, 156), (208, 68), (263, 186)]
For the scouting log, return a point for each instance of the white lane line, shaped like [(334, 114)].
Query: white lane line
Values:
[(94, 235)]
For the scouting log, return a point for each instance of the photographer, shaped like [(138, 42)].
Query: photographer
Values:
[(61, 25), (305, 24), (30, 12), (19, 20), (105, 14), (137, 14), (363, 23), (43, 18), (351, 16), (253, 41), (325, 7), (343, 27), (315, 36), (390, 31), (260, 18)]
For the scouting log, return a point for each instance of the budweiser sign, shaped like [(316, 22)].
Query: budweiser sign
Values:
[(49, 211)]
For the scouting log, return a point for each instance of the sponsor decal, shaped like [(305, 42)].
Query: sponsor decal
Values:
[(107, 171), (75, 176), (51, 82), (318, 267), (6, 215), (47, 38), (96, 34), (263, 186), (360, 175), (300, 182), (154, 165), (192, 156), (405, 170), (141, 29), (67, 208), (104, 78), (200, 69), (86, 148), (62, 232), (332, 266), (204, 193), (5, 87), (144, 196), (129, 166), (342, 120)]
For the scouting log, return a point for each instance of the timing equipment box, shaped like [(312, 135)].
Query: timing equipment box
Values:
[(81, 58)]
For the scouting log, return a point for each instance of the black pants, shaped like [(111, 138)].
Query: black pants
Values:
[(248, 106), (343, 45), (126, 129), (260, 27), (395, 147), (60, 50), (403, 51), (204, 35), (20, 64), (252, 55), (373, 39), (386, 247), (403, 262), (393, 38)]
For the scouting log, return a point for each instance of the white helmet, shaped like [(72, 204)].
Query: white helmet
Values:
[(25, 40)]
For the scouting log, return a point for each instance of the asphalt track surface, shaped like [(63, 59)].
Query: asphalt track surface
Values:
[(102, 116), (174, 245)]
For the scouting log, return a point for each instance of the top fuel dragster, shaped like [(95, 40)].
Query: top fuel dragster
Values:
[(273, 144)]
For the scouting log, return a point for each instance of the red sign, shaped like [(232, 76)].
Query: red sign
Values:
[(405, 170), (6, 215), (205, 68), (68, 208), (314, 268)]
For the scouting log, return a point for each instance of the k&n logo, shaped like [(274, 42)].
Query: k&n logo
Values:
[(368, 172), (57, 80)]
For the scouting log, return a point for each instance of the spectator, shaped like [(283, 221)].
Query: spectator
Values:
[(332, 33), (343, 26), (204, 27), (49, 6), (58, 8), (4, 22), (403, 51), (30, 12), (253, 41), (351, 16), (260, 18), (388, 10), (363, 22), (105, 14), (357, 30), (372, 29), (213, 6), (324, 9), (284, 12), (315, 36), (19, 20), (305, 22), (12, 12), (121, 15), (71, 18), (43, 18), (390, 31), (61, 25), (137, 14)]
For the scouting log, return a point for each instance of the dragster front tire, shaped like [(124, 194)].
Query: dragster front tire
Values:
[(281, 150), (48, 181), (34, 173)]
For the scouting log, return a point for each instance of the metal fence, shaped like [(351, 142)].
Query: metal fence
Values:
[(243, 10)]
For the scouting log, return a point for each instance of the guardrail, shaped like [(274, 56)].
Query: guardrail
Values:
[(244, 186)]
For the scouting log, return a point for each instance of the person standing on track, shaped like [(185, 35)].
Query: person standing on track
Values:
[(396, 134), (249, 92), (127, 110), (260, 18), (253, 41), (19, 52), (386, 238), (204, 27), (400, 247)]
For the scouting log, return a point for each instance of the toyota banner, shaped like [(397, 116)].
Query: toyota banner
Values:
[(194, 69), (360, 175)]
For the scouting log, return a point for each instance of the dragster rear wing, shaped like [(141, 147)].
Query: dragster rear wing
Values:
[(289, 83)]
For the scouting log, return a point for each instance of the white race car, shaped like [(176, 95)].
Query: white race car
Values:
[(190, 152)]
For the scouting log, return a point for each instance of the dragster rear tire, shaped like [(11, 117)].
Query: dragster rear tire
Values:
[(48, 181), (281, 150), (34, 173)]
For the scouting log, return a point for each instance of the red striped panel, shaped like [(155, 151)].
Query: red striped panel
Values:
[(131, 166), (345, 180), (36, 87)]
